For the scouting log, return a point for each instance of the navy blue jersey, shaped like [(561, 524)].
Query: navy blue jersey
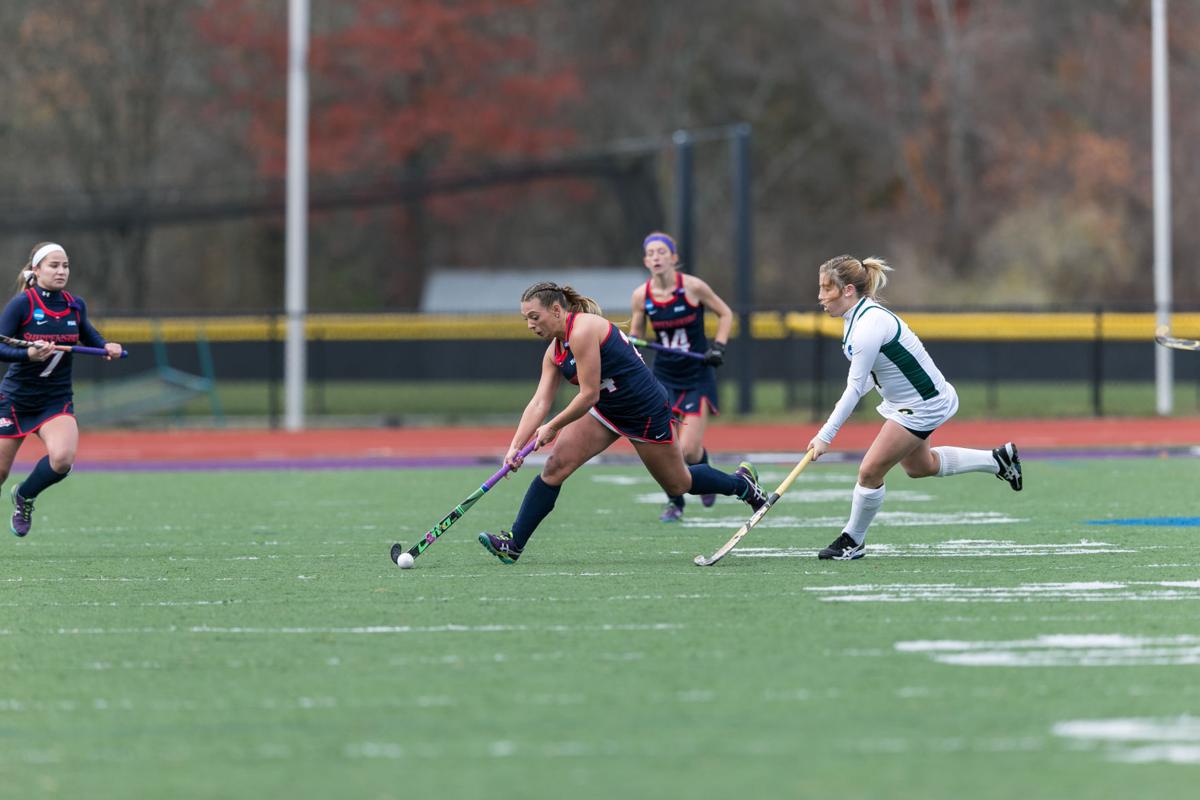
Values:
[(37, 314), (628, 390), (678, 325)]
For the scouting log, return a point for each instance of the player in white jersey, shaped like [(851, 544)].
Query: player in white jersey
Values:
[(885, 353)]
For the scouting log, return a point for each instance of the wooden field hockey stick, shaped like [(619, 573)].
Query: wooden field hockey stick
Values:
[(1163, 337), (708, 561), (66, 348), (664, 349), (437, 530)]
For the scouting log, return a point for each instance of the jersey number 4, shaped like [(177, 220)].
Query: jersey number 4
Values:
[(676, 339)]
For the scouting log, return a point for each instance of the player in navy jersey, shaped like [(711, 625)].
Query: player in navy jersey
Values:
[(36, 394), (674, 304), (618, 396)]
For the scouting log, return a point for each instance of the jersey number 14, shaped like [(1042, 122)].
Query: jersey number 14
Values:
[(676, 339)]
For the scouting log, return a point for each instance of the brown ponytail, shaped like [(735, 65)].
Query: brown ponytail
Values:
[(548, 293), (26, 277)]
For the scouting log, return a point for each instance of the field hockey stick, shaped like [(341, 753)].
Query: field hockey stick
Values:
[(1163, 337), (702, 561), (663, 348), (437, 530), (66, 348)]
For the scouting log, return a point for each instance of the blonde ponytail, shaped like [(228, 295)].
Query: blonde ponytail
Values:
[(868, 276)]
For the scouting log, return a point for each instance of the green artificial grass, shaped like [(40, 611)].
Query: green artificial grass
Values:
[(243, 635)]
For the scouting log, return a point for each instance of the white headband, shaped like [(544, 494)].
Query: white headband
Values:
[(44, 251)]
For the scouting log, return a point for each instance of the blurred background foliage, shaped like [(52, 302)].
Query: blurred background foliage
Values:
[(996, 151)]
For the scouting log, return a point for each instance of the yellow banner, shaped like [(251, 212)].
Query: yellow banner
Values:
[(980, 326)]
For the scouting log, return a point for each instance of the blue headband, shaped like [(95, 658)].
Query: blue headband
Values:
[(659, 237)]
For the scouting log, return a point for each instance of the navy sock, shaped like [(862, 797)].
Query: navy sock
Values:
[(538, 502), (678, 498), (42, 478), (706, 480)]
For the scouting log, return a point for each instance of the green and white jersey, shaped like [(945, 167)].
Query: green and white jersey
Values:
[(886, 354)]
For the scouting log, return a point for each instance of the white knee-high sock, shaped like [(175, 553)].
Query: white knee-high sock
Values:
[(957, 460), (862, 510)]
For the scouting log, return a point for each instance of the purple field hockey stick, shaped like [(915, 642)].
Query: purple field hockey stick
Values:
[(66, 348), (437, 530), (663, 348)]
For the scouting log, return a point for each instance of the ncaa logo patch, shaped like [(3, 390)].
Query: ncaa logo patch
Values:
[(38, 314)]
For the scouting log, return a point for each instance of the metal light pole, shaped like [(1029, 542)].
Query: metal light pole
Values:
[(1164, 378), (295, 366), (744, 255)]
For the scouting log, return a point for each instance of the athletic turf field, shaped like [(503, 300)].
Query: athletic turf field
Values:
[(243, 635)]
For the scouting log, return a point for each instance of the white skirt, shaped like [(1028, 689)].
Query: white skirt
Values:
[(925, 415)]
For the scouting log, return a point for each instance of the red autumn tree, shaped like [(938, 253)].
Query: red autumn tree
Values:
[(440, 81), (410, 88)]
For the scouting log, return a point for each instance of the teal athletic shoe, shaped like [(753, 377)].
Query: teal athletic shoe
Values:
[(501, 546), (22, 518), (753, 496)]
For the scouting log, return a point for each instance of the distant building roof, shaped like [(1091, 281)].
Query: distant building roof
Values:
[(450, 291)]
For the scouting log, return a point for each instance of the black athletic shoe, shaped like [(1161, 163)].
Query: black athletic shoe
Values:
[(501, 546), (1008, 465), (754, 496), (843, 549)]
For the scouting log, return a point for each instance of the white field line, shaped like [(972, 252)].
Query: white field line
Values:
[(765, 476), (1172, 740), (885, 519), (315, 703), (955, 548), (368, 629), (1095, 591), (1062, 650), (259, 578), (527, 749), (802, 496), (112, 604)]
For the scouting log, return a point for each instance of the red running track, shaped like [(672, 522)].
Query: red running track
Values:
[(730, 437)]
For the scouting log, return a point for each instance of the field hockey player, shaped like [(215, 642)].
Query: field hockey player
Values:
[(884, 352), (618, 397), (36, 394), (672, 305)]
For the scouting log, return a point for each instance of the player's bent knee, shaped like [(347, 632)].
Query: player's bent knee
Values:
[(556, 470), (870, 480), (675, 488)]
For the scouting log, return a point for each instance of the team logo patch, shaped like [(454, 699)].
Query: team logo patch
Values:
[(5, 422)]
